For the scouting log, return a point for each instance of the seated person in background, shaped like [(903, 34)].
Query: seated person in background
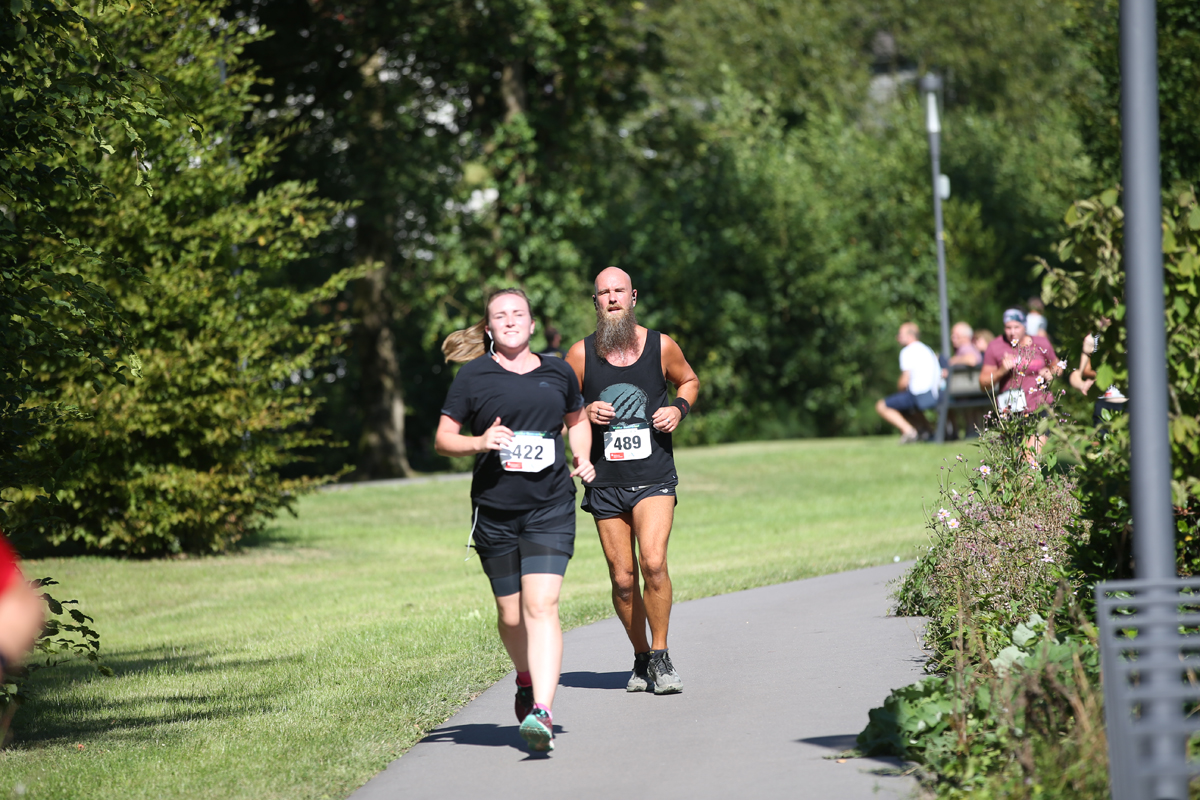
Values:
[(920, 376), (965, 352), (982, 338), (1035, 323), (1018, 368)]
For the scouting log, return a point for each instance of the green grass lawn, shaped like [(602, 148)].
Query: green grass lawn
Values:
[(301, 666)]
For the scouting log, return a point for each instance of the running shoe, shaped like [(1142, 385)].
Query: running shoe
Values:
[(661, 672), (524, 702), (638, 680), (538, 731)]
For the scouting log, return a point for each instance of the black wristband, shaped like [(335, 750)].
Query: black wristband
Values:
[(682, 405)]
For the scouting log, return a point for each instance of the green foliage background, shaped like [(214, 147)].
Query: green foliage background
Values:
[(186, 457), (337, 187)]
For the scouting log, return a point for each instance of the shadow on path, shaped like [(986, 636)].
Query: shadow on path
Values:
[(594, 680), (848, 741), (483, 735)]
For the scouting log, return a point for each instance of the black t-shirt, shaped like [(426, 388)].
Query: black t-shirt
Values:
[(535, 401)]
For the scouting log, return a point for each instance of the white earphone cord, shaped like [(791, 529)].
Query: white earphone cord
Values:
[(471, 535)]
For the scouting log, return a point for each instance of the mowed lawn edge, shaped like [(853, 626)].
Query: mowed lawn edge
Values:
[(301, 666)]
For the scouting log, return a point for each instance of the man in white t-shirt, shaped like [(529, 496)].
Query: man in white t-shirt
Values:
[(920, 377)]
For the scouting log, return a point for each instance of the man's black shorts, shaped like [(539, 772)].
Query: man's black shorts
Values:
[(515, 543), (606, 502)]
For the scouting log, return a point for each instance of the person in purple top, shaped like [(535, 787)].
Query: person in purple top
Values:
[(1018, 368)]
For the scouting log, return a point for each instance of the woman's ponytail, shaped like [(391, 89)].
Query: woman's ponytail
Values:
[(470, 343), (467, 344)]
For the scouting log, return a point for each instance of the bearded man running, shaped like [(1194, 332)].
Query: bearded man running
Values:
[(623, 371)]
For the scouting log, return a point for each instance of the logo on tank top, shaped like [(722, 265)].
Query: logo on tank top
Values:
[(628, 401)]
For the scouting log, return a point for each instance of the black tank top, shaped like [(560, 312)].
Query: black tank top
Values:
[(635, 392)]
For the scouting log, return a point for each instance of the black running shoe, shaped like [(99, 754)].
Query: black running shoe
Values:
[(638, 680), (524, 702), (661, 672)]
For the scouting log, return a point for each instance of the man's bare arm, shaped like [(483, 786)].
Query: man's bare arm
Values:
[(576, 357), (679, 372)]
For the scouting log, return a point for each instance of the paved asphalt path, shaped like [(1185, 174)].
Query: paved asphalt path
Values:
[(776, 680)]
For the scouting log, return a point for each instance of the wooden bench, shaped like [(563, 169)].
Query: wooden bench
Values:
[(962, 392)]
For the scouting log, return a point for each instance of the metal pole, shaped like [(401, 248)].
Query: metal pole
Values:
[(930, 84), (1153, 517)]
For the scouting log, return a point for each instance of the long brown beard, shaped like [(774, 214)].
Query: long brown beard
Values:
[(615, 335)]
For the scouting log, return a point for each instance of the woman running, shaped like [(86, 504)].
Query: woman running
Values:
[(515, 404)]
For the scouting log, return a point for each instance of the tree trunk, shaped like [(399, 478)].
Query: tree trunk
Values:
[(381, 450), (512, 89)]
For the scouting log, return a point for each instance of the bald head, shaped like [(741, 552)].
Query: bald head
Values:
[(613, 277)]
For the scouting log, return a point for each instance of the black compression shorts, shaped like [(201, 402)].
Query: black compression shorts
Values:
[(515, 543)]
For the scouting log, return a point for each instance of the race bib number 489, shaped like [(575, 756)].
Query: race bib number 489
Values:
[(627, 442), (529, 451)]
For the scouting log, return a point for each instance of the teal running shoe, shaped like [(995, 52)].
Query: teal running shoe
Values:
[(538, 730)]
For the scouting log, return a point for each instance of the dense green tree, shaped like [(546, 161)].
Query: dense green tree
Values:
[(187, 457), (1098, 101), (463, 132), (773, 150), (63, 96), (789, 177)]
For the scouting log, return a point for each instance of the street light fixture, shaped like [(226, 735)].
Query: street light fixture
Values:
[(931, 84)]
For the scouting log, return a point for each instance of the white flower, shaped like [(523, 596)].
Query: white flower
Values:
[(1046, 558), (1034, 465), (1062, 364), (985, 470), (953, 523), (943, 514), (1014, 342), (1033, 390)]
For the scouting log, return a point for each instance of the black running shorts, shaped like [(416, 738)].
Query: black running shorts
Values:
[(606, 502), (515, 543)]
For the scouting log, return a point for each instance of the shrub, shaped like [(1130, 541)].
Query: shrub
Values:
[(1088, 285), (188, 458), (1028, 723), (1000, 538), (68, 635)]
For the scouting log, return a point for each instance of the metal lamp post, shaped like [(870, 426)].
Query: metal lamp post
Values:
[(931, 84), (1147, 644)]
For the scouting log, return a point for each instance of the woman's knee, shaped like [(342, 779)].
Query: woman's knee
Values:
[(538, 607), (508, 611)]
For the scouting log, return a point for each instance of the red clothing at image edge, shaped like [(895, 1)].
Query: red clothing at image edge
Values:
[(9, 572), (1030, 361)]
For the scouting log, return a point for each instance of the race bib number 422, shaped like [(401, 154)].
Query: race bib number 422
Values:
[(627, 442), (529, 451)]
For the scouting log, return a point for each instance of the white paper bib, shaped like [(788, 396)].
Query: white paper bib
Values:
[(529, 451), (1013, 400), (629, 442)]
